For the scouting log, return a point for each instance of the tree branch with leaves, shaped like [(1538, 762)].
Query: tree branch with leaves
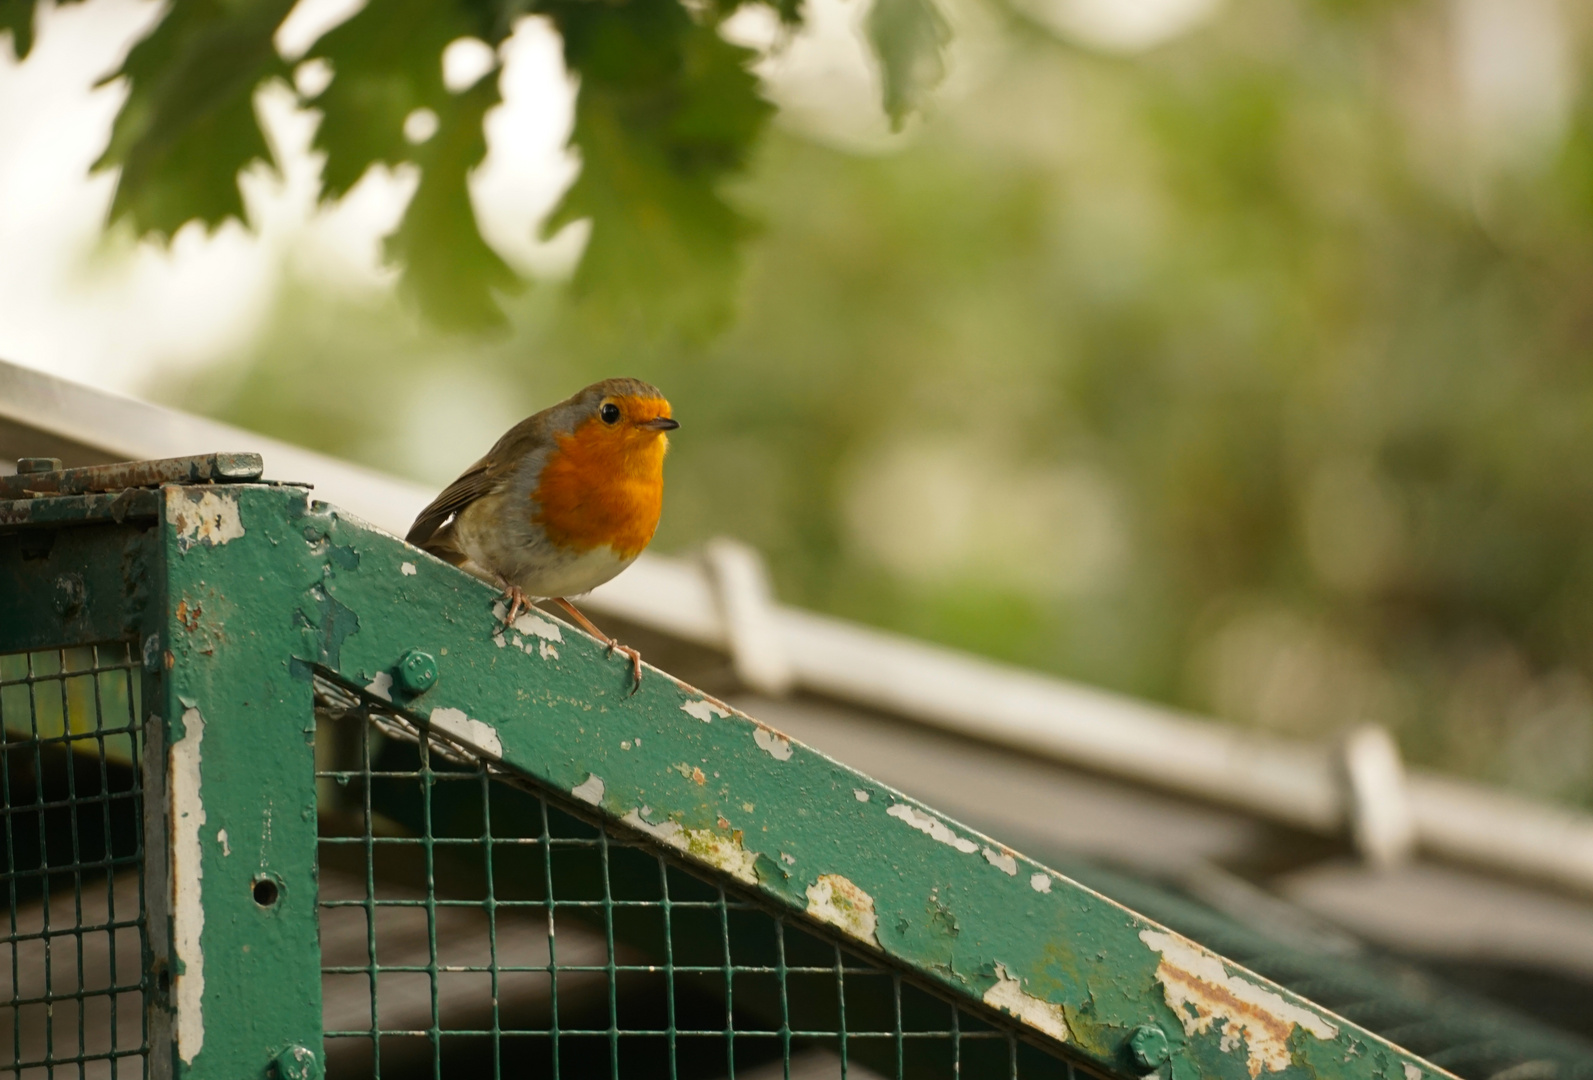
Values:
[(667, 111)]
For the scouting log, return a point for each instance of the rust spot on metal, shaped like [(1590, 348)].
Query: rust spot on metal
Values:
[(1201, 991), (1213, 1001), (692, 773), (221, 468), (188, 616)]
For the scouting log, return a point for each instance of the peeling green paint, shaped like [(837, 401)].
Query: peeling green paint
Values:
[(237, 615)]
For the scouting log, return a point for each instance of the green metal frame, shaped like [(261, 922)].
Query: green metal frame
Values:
[(238, 596)]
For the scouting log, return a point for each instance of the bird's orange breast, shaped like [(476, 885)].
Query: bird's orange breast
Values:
[(603, 487)]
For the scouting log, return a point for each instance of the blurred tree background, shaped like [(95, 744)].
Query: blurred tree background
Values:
[(1250, 370)]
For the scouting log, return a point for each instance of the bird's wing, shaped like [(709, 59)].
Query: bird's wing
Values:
[(485, 477)]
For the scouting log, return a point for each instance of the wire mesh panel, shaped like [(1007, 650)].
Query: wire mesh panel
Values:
[(72, 974), (472, 927)]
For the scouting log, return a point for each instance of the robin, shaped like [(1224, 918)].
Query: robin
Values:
[(562, 503)]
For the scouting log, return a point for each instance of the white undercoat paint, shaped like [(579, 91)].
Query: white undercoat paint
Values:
[(1200, 989), (211, 519), (589, 790), (772, 743), (1040, 882), (704, 845), (381, 686), (537, 626), (473, 733), (933, 826), (188, 909), (1001, 861), (530, 623), (835, 900), (1008, 995), (407, 569), (703, 710)]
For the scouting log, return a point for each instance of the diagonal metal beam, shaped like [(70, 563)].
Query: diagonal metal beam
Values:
[(300, 589)]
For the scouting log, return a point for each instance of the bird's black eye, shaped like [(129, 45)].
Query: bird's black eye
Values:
[(609, 412)]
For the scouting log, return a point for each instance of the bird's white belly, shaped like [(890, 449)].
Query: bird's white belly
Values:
[(572, 574)]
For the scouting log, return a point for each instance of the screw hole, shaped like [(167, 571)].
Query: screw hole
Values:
[(266, 892)]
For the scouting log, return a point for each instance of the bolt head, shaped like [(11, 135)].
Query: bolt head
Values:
[(417, 671), (1148, 1046), (33, 465), (298, 1063)]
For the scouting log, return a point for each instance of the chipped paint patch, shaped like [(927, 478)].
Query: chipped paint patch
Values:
[(722, 852), (497, 639), (473, 733), (772, 743), (407, 569), (529, 623), (1009, 996), (860, 795), (381, 686), (537, 626), (1199, 988), (221, 838), (1002, 861), (835, 900), (692, 773), (1412, 1072), (703, 710), (1040, 882), (589, 790), (933, 826), (210, 519), (548, 652), (188, 870)]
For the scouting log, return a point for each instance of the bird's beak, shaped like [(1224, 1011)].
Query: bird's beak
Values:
[(660, 423)]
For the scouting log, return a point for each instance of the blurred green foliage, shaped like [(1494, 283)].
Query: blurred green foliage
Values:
[(1226, 374), (666, 112)]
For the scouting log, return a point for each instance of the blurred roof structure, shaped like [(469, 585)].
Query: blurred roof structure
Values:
[(1318, 849)]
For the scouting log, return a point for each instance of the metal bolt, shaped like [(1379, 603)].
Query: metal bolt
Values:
[(1148, 1046), (417, 672), (298, 1063), (38, 464)]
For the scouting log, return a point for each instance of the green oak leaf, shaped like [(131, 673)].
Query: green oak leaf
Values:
[(667, 112), (188, 126), (449, 270), (909, 39), (17, 17), (386, 62)]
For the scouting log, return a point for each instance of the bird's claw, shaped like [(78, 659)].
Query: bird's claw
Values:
[(636, 662), (518, 602)]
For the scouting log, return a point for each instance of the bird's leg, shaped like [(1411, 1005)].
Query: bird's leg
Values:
[(613, 645), (518, 602)]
